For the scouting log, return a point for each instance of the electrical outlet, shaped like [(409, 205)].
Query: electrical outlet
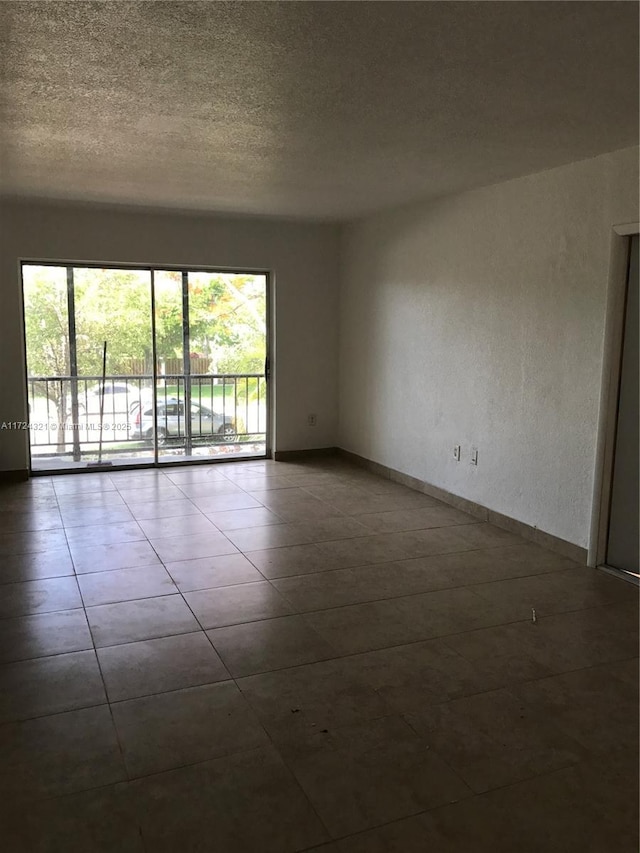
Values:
[(311, 420), (474, 456), (456, 452)]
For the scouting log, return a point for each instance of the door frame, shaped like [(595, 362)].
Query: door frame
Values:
[(152, 268), (619, 256)]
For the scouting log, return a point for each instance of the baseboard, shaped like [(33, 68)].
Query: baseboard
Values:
[(21, 475), (294, 455), (526, 531)]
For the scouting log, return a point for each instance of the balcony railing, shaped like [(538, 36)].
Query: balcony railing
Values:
[(70, 416)]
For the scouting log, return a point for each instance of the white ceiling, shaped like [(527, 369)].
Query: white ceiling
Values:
[(319, 110)]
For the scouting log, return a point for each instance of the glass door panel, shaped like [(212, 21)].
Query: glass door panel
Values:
[(227, 341), (113, 306), (46, 322), (171, 429)]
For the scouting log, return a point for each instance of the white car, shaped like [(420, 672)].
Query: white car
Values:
[(170, 422), (120, 398)]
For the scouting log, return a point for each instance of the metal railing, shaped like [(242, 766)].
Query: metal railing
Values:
[(68, 414)]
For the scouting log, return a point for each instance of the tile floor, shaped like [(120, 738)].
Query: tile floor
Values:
[(277, 657)]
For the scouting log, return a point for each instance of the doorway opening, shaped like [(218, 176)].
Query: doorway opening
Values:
[(138, 366), (615, 531)]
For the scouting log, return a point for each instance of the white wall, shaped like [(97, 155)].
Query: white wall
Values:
[(302, 257), (479, 320)]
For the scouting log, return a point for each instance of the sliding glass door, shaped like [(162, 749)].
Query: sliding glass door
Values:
[(144, 366)]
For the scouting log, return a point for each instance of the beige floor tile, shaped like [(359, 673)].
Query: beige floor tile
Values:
[(264, 483), (155, 666), (183, 525), (580, 808), (138, 478), (451, 611), (484, 565), (41, 596), (414, 519), (96, 482), (210, 572), (163, 509), (421, 674), (271, 644), (30, 567), (226, 502), (243, 803), (362, 550), (271, 536), (410, 835), (593, 705), (326, 590), (59, 754), (87, 516), (493, 739), (370, 502), (373, 582), (327, 529), (559, 643), (100, 821), (50, 685), (292, 560), (279, 497), (170, 730), (86, 500), (145, 619), (161, 491), (572, 589), (307, 509), (373, 772), (337, 489), (309, 478), (627, 670), (437, 540), (488, 535), (27, 501), (12, 521), (242, 519), (176, 548), (209, 488), (31, 541), (534, 559), (231, 605), (364, 627), (197, 474), (44, 634), (104, 534), (104, 558), (125, 585), (375, 484), (295, 704)]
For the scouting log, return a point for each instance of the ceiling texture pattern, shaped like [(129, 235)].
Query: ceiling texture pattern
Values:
[(305, 109)]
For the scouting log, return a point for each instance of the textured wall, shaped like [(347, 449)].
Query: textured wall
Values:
[(479, 321), (303, 258)]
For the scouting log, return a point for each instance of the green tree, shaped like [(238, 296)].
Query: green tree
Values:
[(226, 320), (113, 306), (47, 338)]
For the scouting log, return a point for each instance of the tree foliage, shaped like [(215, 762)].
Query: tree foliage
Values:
[(227, 317)]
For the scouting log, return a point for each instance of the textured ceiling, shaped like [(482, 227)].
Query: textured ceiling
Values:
[(305, 109)]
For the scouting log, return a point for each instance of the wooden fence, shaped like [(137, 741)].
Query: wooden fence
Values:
[(142, 367)]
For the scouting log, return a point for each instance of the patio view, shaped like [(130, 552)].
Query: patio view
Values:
[(142, 366)]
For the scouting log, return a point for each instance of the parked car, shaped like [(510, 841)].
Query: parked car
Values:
[(170, 422), (119, 398)]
